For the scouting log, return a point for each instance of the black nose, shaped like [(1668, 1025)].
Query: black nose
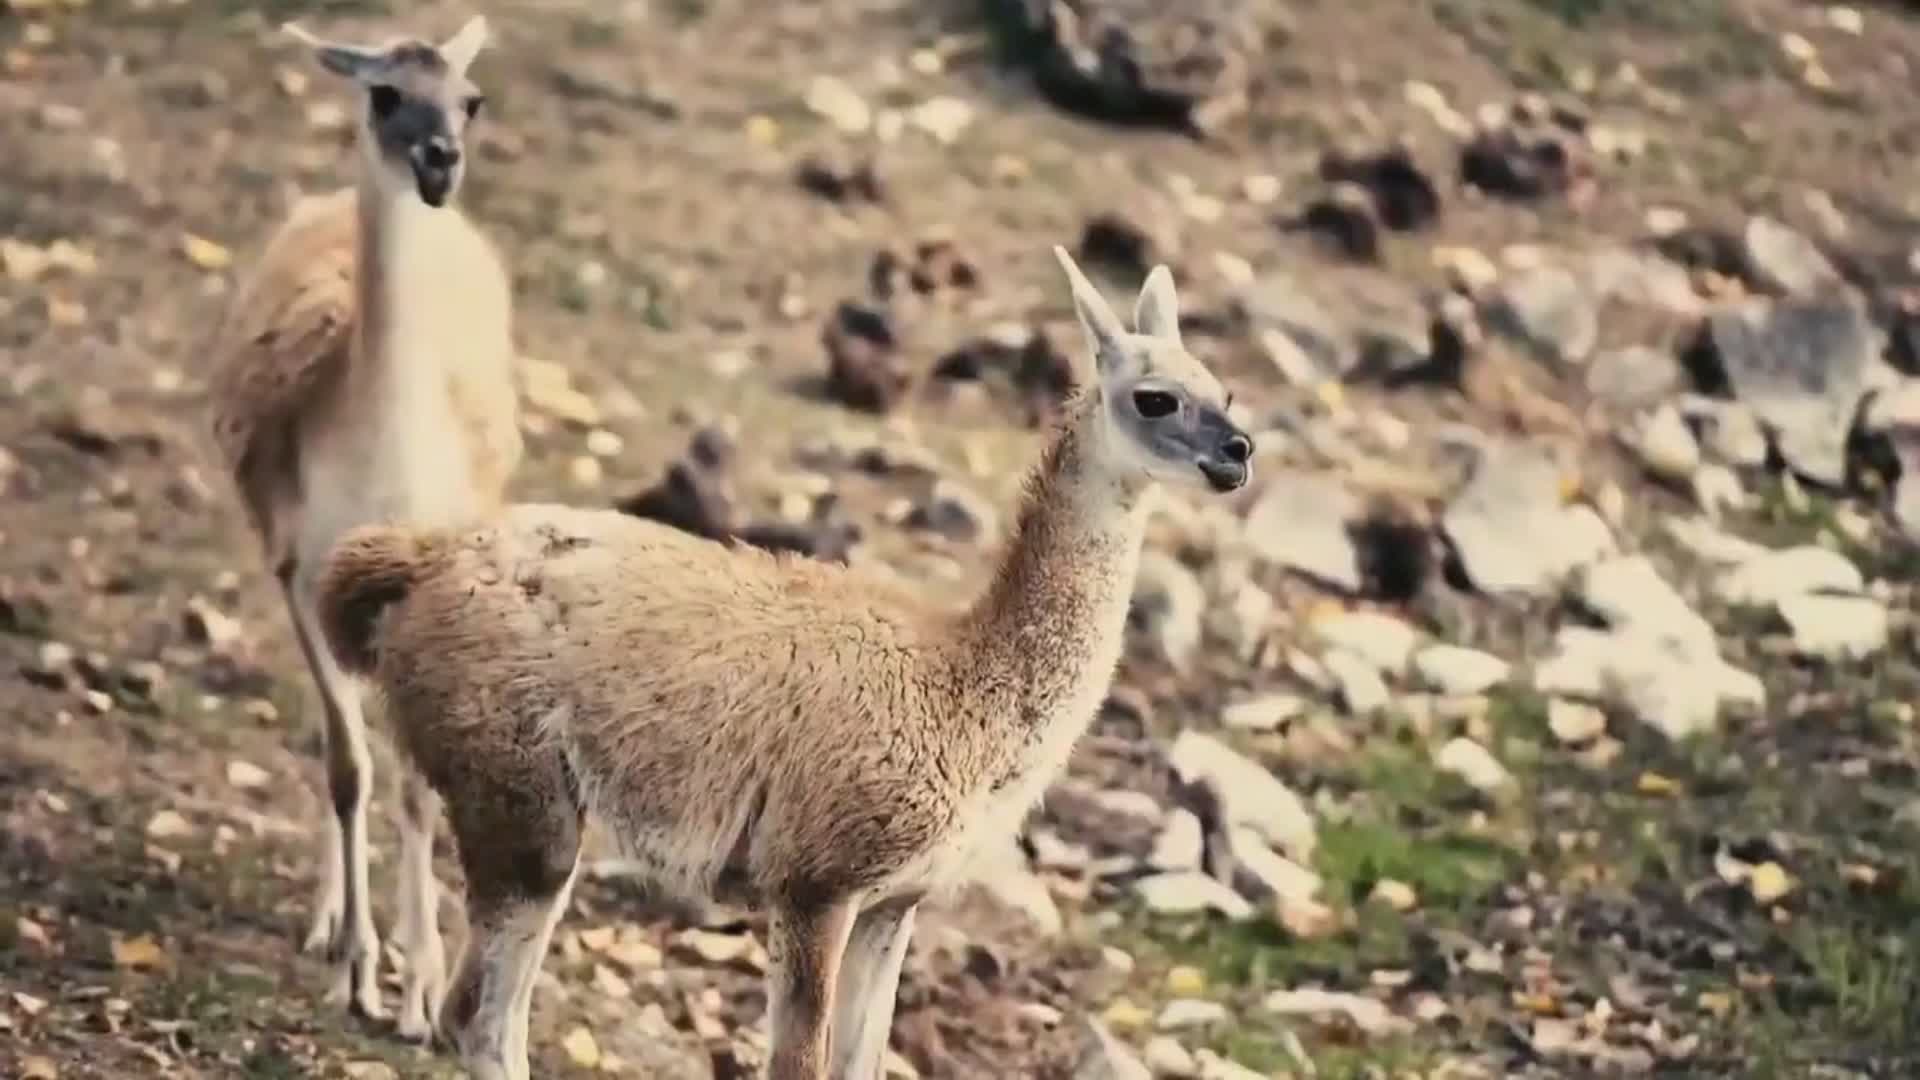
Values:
[(1237, 448), (439, 153)]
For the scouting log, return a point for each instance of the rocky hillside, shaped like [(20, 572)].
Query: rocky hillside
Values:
[(1546, 708)]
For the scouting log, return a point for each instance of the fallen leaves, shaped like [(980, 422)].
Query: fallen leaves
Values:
[(204, 253), (140, 953), (168, 825), (581, 1047)]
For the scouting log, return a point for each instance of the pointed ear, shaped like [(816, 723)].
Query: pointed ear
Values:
[(1104, 332), (350, 61), (460, 49), (1157, 312)]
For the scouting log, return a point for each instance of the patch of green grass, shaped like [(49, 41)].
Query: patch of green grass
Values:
[(1448, 869)]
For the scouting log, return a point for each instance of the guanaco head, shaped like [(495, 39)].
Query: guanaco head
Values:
[(1164, 414), (418, 105)]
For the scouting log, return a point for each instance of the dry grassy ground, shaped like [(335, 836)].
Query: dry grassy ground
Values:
[(637, 168)]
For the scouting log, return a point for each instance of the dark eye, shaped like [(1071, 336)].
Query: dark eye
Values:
[(384, 100), (1154, 404), (472, 105)]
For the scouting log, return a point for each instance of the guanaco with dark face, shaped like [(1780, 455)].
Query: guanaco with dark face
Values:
[(364, 374)]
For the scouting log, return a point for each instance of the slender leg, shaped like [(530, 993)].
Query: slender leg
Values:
[(517, 829), (530, 973), (807, 942), (869, 984), (355, 948), (330, 886), (417, 901)]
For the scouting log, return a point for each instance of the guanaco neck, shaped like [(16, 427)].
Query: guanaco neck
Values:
[(395, 284), (1048, 631)]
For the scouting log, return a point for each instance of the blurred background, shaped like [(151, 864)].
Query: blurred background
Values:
[(1545, 708)]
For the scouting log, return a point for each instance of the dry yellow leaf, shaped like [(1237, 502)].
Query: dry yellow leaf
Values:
[(1769, 882), (1124, 1015), (139, 953), (1185, 981), (1652, 783), (581, 1046), (204, 253)]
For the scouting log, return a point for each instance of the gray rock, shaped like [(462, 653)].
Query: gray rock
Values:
[(1166, 608), (1836, 627), (1304, 340), (1781, 259), (1663, 443), (1248, 794), (954, 512), (1143, 62), (1459, 671), (1803, 367), (1240, 620), (1632, 377), (1731, 433), (1189, 893), (1511, 528), (1550, 310), (999, 870), (1300, 523), (1657, 658), (1640, 279), (1106, 1057)]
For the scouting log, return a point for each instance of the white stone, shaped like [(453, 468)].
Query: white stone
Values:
[(1473, 763), (1767, 579), (1573, 722), (1370, 1016), (1249, 794), (1265, 872), (1835, 627), (1180, 843), (1459, 671), (1000, 871), (1664, 444), (1167, 1058), (1262, 714), (1189, 893), (1181, 1014), (1362, 691), (1380, 639)]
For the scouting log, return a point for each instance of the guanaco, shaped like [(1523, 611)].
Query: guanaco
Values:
[(364, 374), (760, 729)]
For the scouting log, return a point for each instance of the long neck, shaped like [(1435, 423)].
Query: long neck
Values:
[(1050, 627), (395, 281)]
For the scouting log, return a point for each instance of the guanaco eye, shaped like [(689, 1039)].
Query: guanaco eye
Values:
[(384, 100), (472, 105), (1154, 404)]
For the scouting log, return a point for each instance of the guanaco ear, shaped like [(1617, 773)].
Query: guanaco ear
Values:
[(1105, 335), (1157, 312), (460, 49), (351, 61)]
